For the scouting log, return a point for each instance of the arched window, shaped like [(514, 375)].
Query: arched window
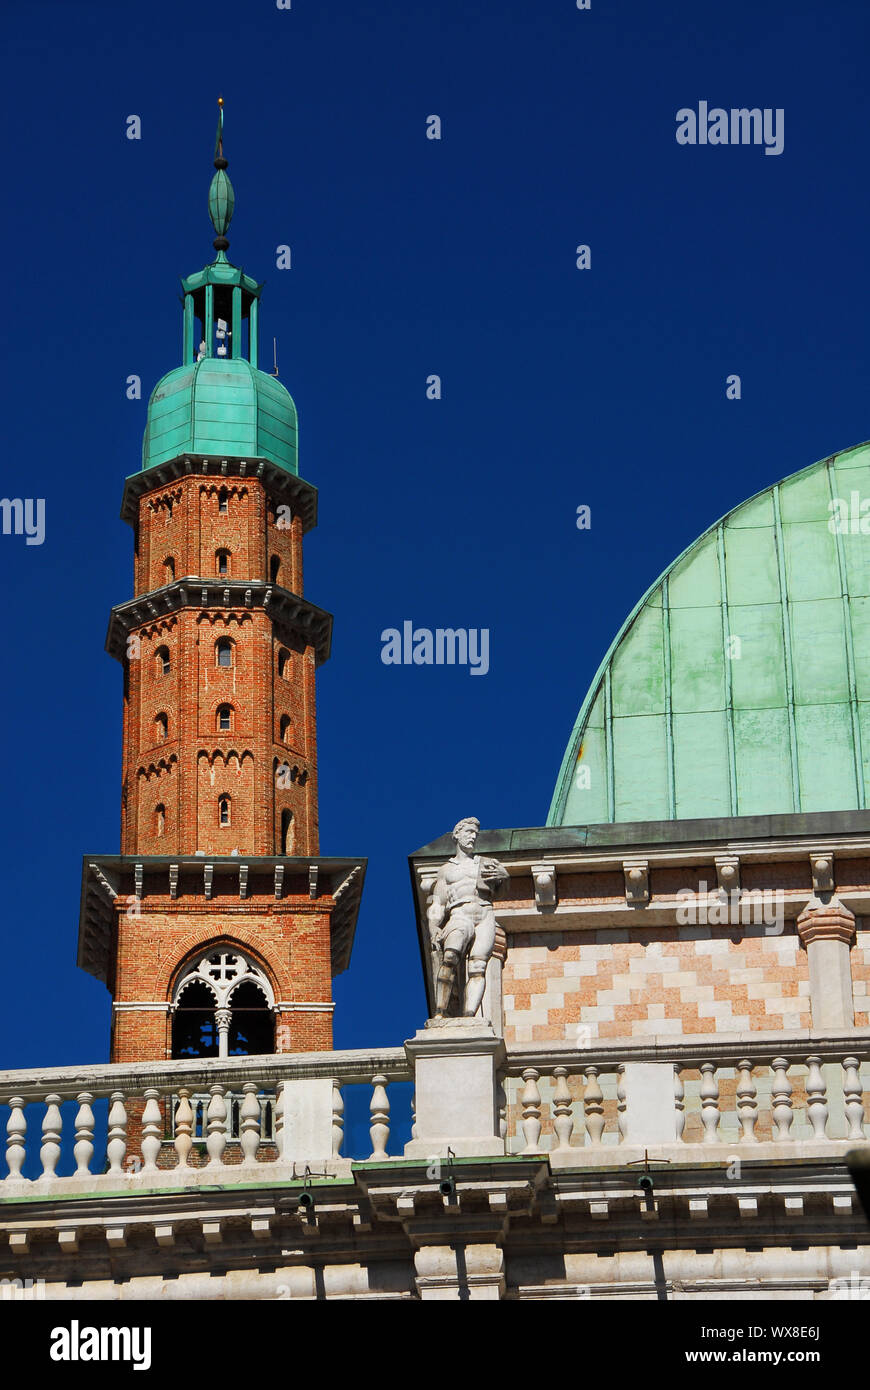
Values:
[(286, 728), (224, 718), (161, 657), (284, 664), (274, 568), (252, 1023), (159, 819), (223, 810), (223, 501), (161, 727), (224, 652), (194, 1028), (168, 569), (223, 1006), (288, 834), (222, 562)]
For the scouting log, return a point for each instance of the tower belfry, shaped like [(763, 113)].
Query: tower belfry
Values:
[(219, 646)]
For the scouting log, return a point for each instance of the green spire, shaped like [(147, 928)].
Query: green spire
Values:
[(221, 199)]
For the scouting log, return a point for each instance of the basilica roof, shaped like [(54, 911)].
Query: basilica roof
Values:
[(740, 683)]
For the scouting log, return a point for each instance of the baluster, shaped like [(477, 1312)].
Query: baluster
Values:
[(593, 1104), (563, 1119), (817, 1098), (279, 1119), (249, 1123), (747, 1105), (152, 1130), (622, 1118), (379, 1109), (338, 1118), (116, 1146), (853, 1097), (183, 1138), (217, 1125), (531, 1103), (83, 1149), (783, 1114), (679, 1105), (709, 1103), (51, 1132), (501, 1101), (16, 1142)]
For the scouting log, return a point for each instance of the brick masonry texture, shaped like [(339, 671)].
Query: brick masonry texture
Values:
[(631, 984), (177, 761), (179, 764)]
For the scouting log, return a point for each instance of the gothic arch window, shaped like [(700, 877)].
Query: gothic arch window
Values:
[(223, 651), (224, 810), (159, 819), (222, 563), (161, 728), (274, 568), (168, 569), (162, 659), (223, 501), (224, 718), (286, 728), (284, 664), (288, 832), (223, 1006)]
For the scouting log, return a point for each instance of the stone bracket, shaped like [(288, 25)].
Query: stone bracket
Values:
[(544, 879), (636, 873)]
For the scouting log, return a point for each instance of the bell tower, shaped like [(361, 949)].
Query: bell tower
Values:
[(219, 892)]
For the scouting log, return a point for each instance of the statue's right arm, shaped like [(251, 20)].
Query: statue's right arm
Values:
[(437, 909)]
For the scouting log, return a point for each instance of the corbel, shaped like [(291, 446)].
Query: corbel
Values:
[(636, 873), (544, 879)]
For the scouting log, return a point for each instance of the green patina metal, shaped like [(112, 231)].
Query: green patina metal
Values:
[(220, 406), (218, 401), (740, 684)]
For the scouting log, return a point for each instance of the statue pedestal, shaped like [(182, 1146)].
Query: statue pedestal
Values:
[(456, 1063)]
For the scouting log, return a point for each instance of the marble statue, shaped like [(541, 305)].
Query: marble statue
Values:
[(461, 920)]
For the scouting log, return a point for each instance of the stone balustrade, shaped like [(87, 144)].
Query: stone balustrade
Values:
[(175, 1120), (793, 1096)]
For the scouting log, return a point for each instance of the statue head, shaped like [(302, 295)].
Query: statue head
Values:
[(465, 833)]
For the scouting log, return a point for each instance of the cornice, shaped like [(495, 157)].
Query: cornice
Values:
[(310, 623), (289, 487)]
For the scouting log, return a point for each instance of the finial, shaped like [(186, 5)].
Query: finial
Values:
[(221, 199)]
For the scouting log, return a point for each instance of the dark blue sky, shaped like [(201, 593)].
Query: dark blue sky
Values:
[(410, 257)]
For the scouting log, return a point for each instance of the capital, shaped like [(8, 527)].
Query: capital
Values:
[(830, 922)]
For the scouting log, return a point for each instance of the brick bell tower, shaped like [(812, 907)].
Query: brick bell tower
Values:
[(218, 928)]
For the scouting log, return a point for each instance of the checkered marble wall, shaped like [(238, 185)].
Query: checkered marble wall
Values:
[(680, 981)]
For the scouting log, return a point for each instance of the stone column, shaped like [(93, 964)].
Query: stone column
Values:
[(828, 932)]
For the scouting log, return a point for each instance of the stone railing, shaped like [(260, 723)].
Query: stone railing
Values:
[(164, 1118), (797, 1095)]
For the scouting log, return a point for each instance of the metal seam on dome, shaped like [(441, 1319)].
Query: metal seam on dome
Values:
[(849, 640), (785, 609), (608, 747), (669, 703), (729, 689)]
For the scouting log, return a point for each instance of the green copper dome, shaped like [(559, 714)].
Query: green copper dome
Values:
[(740, 684), (220, 406)]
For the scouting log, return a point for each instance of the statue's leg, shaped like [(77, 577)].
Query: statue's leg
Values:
[(474, 987), (444, 982), (478, 958)]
